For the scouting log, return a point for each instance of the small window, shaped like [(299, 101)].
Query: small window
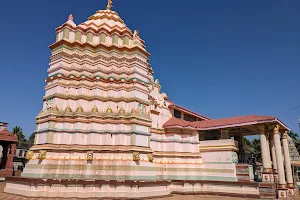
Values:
[(177, 114), (20, 153), (102, 38), (78, 36), (189, 118), (115, 39), (89, 37), (126, 41)]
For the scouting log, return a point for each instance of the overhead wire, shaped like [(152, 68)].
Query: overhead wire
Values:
[(291, 110)]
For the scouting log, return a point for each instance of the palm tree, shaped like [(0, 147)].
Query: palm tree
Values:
[(18, 131), (255, 149), (246, 141)]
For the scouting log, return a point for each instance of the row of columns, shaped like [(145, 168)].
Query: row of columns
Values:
[(281, 162)]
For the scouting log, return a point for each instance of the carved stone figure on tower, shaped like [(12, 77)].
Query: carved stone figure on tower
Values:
[(136, 34), (109, 4)]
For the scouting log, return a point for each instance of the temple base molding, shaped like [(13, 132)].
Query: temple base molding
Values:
[(282, 186), (85, 189), (291, 192), (282, 193), (275, 177), (267, 177), (268, 170)]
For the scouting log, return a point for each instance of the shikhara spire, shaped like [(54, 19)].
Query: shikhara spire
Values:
[(109, 5)]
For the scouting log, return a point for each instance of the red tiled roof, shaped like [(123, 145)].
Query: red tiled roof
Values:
[(232, 121), (173, 105), (173, 122), (176, 122), (8, 136)]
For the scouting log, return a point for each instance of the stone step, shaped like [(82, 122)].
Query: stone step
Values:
[(267, 190)]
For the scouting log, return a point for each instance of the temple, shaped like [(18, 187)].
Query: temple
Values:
[(8, 142), (107, 130)]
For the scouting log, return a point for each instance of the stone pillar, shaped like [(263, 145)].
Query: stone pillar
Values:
[(287, 161), (267, 175), (278, 150), (265, 151), (224, 134), (273, 153), (274, 159)]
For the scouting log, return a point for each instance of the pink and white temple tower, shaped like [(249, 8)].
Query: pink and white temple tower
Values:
[(106, 130)]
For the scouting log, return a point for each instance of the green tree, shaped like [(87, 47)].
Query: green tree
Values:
[(246, 141), (255, 149), (293, 135), (18, 131), (31, 139)]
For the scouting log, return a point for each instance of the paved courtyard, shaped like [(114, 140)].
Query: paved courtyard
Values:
[(4, 196)]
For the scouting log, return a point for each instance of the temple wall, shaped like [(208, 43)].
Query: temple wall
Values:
[(98, 66), (172, 147), (119, 57), (175, 142), (89, 189), (65, 85), (119, 166), (165, 115), (217, 157), (112, 166), (87, 106), (96, 92), (92, 139), (97, 62), (101, 74), (82, 127), (114, 189), (243, 190), (86, 139)]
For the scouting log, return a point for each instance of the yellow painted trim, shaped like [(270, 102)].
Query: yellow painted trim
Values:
[(218, 148)]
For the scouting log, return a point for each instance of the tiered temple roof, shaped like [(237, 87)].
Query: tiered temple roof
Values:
[(104, 23)]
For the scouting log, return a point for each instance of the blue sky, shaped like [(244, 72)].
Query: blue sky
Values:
[(219, 58)]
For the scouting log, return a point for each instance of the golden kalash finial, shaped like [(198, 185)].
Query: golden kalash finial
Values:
[(95, 109), (109, 110), (109, 5)]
